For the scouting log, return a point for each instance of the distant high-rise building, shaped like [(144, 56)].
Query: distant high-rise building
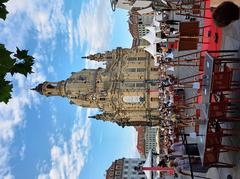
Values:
[(124, 169)]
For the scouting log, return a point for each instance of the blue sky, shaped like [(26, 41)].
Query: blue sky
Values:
[(44, 137)]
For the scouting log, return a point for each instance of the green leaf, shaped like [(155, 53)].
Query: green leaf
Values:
[(3, 1), (22, 68), (23, 55), (6, 62), (5, 90), (21, 64), (24, 65), (3, 11)]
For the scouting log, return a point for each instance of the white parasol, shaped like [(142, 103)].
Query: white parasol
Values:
[(151, 49), (152, 38), (148, 163)]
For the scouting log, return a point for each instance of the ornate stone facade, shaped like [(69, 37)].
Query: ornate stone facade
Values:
[(119, 90)]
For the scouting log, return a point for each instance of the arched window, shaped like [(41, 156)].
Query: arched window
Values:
[(51, 86)]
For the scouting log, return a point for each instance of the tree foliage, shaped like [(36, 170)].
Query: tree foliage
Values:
[(3, 10), (17, 62)]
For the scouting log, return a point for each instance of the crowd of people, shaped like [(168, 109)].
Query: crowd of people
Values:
[(172, 110)]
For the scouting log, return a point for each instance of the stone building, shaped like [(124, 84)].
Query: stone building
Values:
[(137, 27), (146, 140), (124, 169), (141, 141), (119, 90)]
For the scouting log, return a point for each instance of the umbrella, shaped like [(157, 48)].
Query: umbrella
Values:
[(151, 49), (152, 38), (155, 23), (148, 163)]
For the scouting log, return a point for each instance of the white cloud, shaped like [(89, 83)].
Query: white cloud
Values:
[(132, 151), (70, 29), (94, 29), (42, 18), (45, 19), (9, 176), (45, 15), (68, 156), (22, 152), (95, 25), (50, 69), (12, 114)]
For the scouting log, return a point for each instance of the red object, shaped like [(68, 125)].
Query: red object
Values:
[(209, 37), (140, 140), (223, 81), (173, 45)]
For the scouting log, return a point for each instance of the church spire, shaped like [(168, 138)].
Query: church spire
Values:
[(100, 57), (38, 88)]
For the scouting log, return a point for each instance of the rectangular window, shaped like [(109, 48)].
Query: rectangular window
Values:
[(130, 85), (132, 69), (154, 99), (140, 85), (154, 69), (140, 69), (141, 58), (134, 85), (132, 58), (136, 58)]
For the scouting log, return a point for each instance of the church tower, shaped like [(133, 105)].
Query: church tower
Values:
[(119, 90), (51, 88)]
